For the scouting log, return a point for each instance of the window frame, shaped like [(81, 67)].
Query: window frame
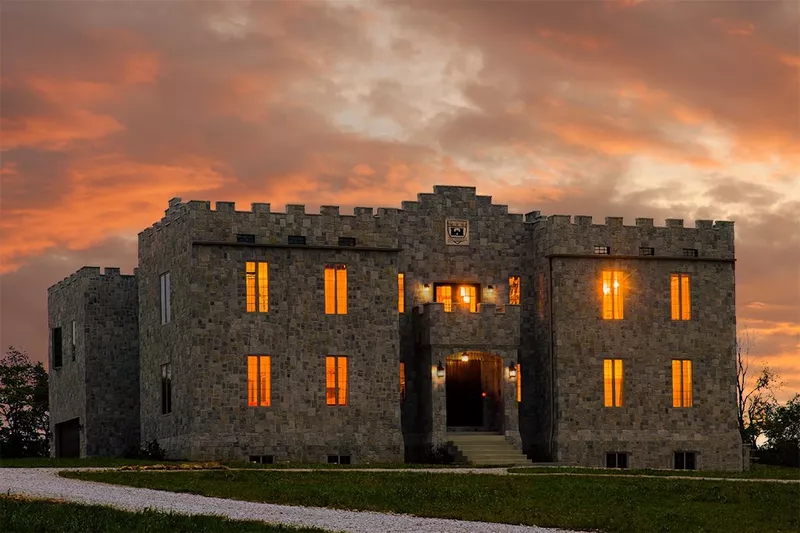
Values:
[(401, 292), (514, 290), (74, 339), (680, 296), (402, 381), (602, 250), (165, 281), (56, 347), (683, 394), (256, 281), (340, 398), (684, 455), (616, 456), (166, 388), (616, 380), (335, 289), (262, 398), (613, 297)]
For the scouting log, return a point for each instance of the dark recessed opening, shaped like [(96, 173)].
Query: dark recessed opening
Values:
[(263, 459), (616, 460), (245, 237), (297, 239), (685, 461), (690, 252), (57, 348), (644, 250), (333, 459), (347, 241)]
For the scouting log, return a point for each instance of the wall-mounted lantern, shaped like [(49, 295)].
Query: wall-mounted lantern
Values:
[(426, 287), (440, 370), (465, 357), (491, 289), (512, 370)]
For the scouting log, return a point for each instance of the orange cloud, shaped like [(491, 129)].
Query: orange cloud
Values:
[(56, 133)]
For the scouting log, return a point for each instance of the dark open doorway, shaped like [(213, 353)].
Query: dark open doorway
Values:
[(473, 392), (68, 438)]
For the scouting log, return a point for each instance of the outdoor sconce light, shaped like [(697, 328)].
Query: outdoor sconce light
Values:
[(512, 370), (426, 287), (440, 370), (491, 288), (465, 357)]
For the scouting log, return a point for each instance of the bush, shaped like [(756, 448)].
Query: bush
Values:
[(438, 455), (150, 450)]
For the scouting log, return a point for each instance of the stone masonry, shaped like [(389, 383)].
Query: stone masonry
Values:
[(452, 237)]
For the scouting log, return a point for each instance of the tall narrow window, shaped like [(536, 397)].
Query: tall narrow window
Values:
[(612, 382), (468, 295), (56, 347), (402, 381), (680, 297), (681, 383), (336, 289), (540, 291), (513, 290), (612, 295), (257, 285), (444, 294), (166, 388), (166, 298), (74, 336), (336, 380), (401, 292), (519, 383), (258, 380)]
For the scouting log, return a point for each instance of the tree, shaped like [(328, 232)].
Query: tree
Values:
[(755, 397), (24, 416), (782, 429)]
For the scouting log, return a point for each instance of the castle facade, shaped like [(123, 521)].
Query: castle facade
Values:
[(289, 336)]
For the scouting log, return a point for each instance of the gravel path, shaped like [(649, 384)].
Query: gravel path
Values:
[(45, 483)]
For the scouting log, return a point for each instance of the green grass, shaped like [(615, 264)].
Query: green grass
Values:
[(325, 466), (620, 504), (45, 516), (757, 472)]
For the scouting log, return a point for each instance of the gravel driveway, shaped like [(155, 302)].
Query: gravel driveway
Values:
[(45, 483)]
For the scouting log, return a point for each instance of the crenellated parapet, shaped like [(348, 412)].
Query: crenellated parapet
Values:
[(92, 273), (579, 234)]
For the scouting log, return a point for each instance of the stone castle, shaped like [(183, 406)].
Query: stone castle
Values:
[(373, 337)]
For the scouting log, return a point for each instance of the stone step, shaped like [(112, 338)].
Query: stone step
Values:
[(486, 449)]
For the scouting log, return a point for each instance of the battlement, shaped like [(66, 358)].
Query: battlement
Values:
[(562, 221), (91, 273)]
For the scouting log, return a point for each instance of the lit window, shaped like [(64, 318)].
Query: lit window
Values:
[(602, 250), (540, 287), (402, 381), (513, 290), (257, 283), (680, 296), (336, 289), (444, 294), (681, 383), (166, 388), (258, 380), (336, 380), (401, 292), (468, 295), (519, 383), (166, 298), (612, 295), (612, 381)]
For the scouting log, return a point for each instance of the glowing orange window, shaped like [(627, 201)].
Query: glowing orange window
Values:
[(336, 380), (680, 297), (444, 294), (258, 381), (336, 289), (681, 383), (468, 295), (612, 382), (519, 383), (612, 295), (401, 292), (513, 290), (402, 381), (257, 284)]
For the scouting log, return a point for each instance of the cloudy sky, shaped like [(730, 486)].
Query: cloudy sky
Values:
[(673, 109)]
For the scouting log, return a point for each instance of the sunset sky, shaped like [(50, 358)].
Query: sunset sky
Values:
[(673, 109)]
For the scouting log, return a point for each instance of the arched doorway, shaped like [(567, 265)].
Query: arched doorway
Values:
[(473, 390)]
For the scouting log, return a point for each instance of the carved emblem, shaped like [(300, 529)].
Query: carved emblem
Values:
[(456, 232)]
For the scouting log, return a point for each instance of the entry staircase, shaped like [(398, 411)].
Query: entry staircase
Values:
[(480, 448)]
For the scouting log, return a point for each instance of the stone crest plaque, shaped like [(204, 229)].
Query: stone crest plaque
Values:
[(456, 232)]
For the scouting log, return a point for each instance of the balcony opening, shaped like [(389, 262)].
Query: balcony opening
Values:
[(451, 295), (473, 387)]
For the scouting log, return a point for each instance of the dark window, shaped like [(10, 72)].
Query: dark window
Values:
[(263, 459), (297, 239), (347, 241), (685, 461), (245, 237), (616, 460), (602, 250), (57, 348), (74, 336), (333, 459), (166, 388), (646, 251), (339, 459), (690, 252)]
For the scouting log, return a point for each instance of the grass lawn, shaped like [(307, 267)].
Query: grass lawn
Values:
[(45, 516), (756, 472), (610, 504)]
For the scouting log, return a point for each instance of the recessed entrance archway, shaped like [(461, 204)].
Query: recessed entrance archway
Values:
[(473, 389)]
